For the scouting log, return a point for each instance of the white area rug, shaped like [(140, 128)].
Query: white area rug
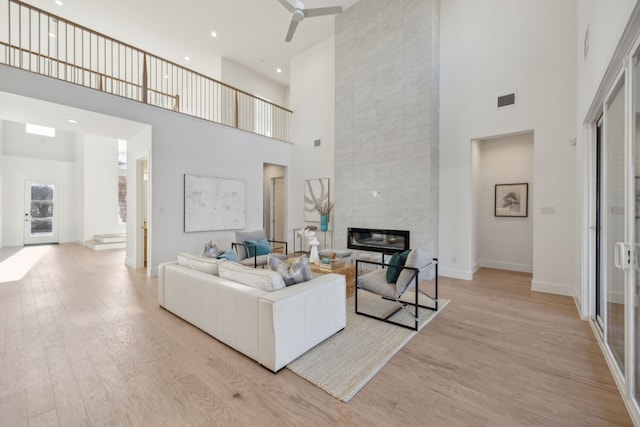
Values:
[(344, 363)]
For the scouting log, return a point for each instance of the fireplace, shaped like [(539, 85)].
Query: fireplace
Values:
[(376, 240)]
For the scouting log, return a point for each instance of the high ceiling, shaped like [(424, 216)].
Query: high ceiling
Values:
[(249, 32)]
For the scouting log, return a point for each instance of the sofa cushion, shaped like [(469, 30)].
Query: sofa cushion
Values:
[(294, 271), (257, 247), (376, 281), (264, 279), (418, 258), (204, 264), (393, 270)]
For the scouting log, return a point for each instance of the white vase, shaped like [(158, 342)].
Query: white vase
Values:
[(314, 258)]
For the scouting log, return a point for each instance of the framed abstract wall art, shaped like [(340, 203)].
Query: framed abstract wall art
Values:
[(316, 191), (213, 203)]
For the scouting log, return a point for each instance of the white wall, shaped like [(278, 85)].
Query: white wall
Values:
[(606, 22), (492, 48), (250, 82), (504, 242), (312, 100), (100, 187), (1, 186), (181, 145), (16, 170)]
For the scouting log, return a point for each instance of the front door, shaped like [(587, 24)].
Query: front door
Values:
[(41, 212)]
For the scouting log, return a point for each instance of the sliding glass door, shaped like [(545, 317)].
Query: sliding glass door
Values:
[(613, 262)]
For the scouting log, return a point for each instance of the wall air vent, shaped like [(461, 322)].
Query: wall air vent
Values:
[(505, 100)]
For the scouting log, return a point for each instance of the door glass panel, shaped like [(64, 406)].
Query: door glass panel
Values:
[(636, 221), (41, 210), (599, 267), (614, 229)]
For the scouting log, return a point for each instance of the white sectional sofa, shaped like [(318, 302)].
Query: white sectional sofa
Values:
[(271, 327)]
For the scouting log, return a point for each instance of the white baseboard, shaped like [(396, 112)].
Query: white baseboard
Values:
[(455, 274), (506, 266), (130, 262), (553, 288)]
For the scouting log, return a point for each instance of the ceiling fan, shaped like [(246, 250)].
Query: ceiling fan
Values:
[(298, 13)]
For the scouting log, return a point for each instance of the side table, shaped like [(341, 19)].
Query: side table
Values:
[(348, 271)]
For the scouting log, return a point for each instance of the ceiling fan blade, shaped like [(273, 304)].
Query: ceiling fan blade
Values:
[(292, 29), (287, 5), (322, 11)]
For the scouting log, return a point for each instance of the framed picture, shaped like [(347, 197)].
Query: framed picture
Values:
[(315, 191), (512, 200), (212, 204)]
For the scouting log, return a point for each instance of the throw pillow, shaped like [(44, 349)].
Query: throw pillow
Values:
[(292, 272), (194, 262), (418, 258), (229, 255), (258, 278), (257, 247), (393, 270), (210, 250)]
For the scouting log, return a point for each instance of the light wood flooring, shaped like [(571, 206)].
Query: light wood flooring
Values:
[(83, 342)]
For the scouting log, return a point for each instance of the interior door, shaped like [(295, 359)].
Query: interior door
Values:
[(41, 217)]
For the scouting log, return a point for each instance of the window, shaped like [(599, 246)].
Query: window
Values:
[(122, 181)]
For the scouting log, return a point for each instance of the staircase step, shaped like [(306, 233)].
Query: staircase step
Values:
[(110, 238), (100, 246)]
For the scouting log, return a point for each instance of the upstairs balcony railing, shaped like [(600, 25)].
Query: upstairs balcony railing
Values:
[(35, 40)]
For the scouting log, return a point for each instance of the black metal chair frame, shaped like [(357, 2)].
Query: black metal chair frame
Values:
[(410, 307), (235, 245)]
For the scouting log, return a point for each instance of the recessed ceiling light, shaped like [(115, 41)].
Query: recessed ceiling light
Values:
[(73, 122), (214, 34), (186, 58), (59, 3), (278, 70), (52, 35), (166, 76)]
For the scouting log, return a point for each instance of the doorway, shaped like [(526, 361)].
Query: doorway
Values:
[(503, 241), (142, 218), (277, 208), (274, 203), (41, 218)]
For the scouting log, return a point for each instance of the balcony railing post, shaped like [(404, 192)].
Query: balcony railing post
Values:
[(145, 82)]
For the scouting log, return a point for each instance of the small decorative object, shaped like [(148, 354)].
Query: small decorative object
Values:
[(324, 222), (511, 200), (324, 209), (310, 233), (314, 258)]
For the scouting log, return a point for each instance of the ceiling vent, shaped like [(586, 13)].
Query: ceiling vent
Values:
[(506, 100)]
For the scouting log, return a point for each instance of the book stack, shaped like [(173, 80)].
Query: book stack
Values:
[(331, 265)]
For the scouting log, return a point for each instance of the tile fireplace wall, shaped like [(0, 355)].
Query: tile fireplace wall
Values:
[(387, 97)]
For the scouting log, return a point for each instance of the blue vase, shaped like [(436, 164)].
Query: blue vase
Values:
[(324, 222)]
